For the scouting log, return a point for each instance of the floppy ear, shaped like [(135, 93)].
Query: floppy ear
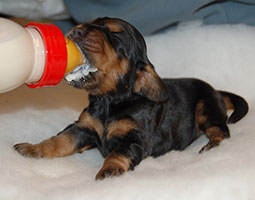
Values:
[(150, 85)]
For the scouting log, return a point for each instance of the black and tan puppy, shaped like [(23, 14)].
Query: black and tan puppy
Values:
[(133, 113)]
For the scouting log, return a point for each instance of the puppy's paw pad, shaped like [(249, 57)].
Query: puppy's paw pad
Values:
[(109, 172), (27, 150)]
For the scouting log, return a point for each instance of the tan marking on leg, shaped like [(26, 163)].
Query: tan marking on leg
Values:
[(114, 165), (228, 103), (87, 121), (119, 128), (215, 136), (200, 117), (214, 131), (84, 148), (57, 146)]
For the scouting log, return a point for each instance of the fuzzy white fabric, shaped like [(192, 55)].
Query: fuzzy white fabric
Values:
[(222, 55)]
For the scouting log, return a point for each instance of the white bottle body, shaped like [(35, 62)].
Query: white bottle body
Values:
[(22, 55)]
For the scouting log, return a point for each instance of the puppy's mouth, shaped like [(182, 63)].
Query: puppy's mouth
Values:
[(81, 74)]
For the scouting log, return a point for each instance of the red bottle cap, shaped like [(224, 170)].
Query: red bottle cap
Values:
[(55, 52)]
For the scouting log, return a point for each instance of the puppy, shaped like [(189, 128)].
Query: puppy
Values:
[(133, 113)]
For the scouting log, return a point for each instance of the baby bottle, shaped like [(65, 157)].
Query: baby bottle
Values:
[(38, 55)]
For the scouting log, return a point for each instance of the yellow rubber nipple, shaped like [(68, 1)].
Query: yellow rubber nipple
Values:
[(74, 56)]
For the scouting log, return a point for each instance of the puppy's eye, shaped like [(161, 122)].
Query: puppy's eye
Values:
[(116, 36), (115, 33)]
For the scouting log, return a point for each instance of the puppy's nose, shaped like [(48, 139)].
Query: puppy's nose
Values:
[(79, 32)]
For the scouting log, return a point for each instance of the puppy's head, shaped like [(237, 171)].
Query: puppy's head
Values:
[(116, 60)]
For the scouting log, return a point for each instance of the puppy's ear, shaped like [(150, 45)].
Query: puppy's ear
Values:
[(150, 85)]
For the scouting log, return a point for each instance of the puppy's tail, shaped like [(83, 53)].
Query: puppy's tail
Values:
[(236, 103)]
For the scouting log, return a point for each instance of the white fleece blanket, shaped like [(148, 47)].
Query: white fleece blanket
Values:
[(222, 55)]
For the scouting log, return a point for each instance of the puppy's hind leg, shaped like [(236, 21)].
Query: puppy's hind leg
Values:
[(212, 120), (215, 134)]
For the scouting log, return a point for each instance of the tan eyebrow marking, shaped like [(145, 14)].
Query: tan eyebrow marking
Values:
[(113, 27)]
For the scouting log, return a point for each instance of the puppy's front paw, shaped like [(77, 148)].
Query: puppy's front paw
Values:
[(28, 150), (109, 171), (114, 165)]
